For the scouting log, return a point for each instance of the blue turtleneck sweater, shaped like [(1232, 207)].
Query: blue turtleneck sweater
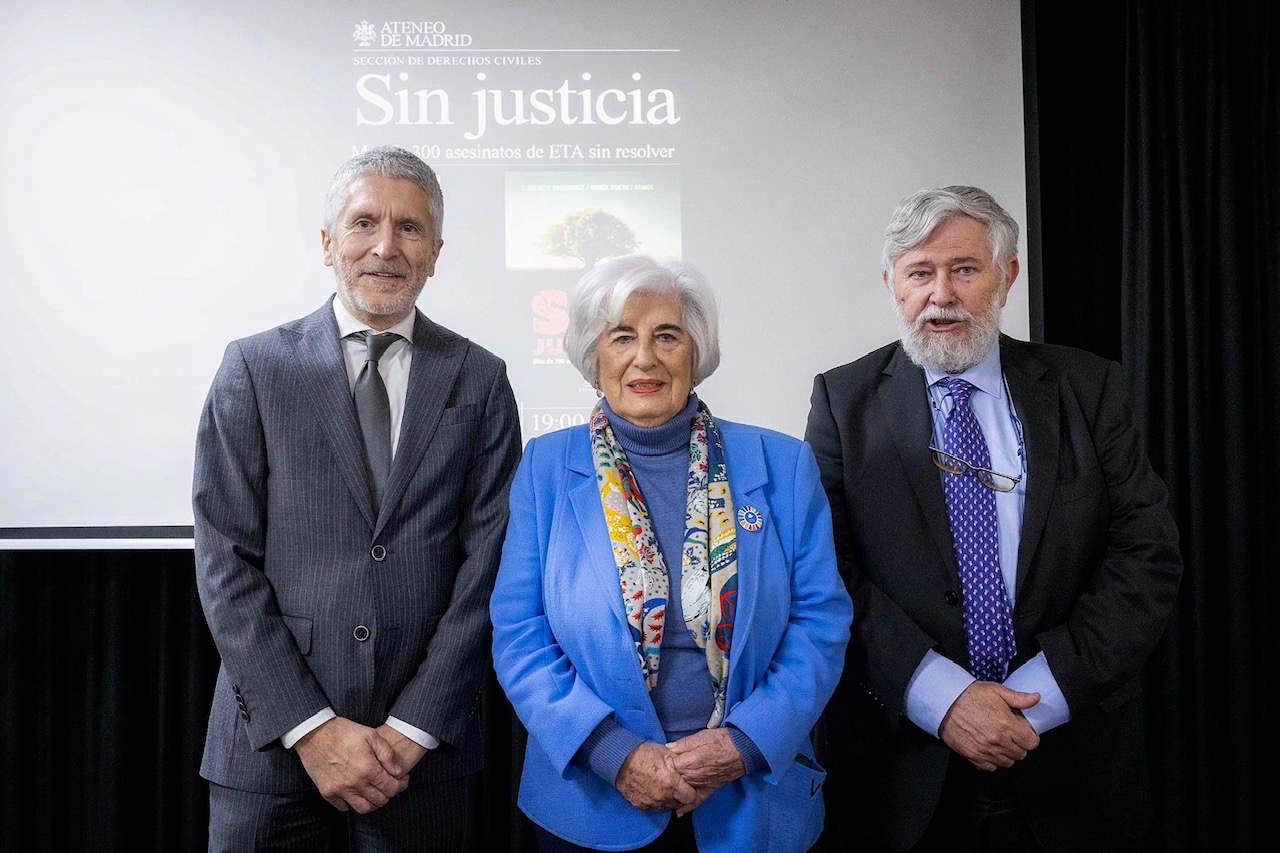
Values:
[(659, 459)]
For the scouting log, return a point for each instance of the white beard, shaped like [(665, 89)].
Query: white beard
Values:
[(949, 353)]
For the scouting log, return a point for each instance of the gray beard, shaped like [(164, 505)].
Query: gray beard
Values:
[(353, 298), (949, 353)]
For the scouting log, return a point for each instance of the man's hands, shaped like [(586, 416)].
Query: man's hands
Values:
[(681, 775), (408, 752), (985, 725), (354, 766)]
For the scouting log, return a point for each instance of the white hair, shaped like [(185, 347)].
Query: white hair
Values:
[(601, 294), (920, 214), (386, 161)]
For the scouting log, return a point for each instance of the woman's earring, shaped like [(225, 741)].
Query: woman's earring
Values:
[(599, 393)]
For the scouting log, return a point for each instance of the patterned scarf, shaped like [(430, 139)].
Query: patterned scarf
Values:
[(709, 565)]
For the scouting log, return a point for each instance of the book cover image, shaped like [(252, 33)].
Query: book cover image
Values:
[(571, 220)]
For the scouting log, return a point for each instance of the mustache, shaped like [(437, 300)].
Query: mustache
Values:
[(382, 270), (937, 312)]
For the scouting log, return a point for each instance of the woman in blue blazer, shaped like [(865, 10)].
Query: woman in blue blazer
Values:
[(668, 620)]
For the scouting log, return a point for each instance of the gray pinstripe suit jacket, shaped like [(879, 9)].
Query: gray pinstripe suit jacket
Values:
[(292, 555)]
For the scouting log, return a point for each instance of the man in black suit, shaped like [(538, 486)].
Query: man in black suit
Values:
[(1011, 560), (350, 501)]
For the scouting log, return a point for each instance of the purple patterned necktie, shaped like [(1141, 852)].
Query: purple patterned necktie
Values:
[(988, 622)]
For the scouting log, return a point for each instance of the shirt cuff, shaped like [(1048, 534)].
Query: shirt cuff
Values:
[(413, 733), (752, 757), (933, 689), (306, 727), (606, 748), (1034, 676)]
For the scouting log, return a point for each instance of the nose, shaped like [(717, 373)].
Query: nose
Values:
[(645, 353), (388, 241), (944, 290)]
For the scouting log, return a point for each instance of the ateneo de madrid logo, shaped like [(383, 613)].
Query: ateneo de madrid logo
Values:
[(408, 34), (364, 34)]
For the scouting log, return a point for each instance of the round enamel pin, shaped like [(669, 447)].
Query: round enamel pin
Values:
[(750, 518)]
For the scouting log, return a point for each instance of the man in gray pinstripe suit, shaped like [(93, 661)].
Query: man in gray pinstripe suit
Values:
[(349, 602)]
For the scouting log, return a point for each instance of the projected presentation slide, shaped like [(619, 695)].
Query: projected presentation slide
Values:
[(165, 167)]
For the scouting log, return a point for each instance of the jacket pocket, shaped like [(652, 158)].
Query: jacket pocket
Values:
[(1089, 483), (1128, 691), (466, 413), (796, 810), (300, 627)]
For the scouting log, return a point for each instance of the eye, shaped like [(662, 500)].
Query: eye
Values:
[(621, 339), (410, 228), (362, 223), (967, 270)]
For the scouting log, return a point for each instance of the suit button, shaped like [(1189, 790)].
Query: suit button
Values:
[(378, 553), (950, 597), (361, 633)]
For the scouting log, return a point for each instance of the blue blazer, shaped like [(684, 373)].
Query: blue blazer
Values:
[(564, 654)]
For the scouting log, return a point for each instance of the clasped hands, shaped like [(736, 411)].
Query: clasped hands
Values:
[(357, 767), (680, 775), (985, 725)]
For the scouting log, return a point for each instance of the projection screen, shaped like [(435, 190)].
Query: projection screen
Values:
[(164, 165)]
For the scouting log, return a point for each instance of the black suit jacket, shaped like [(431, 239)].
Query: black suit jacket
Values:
[(293, 557), (1098, 572)]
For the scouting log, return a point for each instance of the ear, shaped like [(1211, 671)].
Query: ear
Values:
[(1008, 284), (326, 242), (435, 254), (884, 276)]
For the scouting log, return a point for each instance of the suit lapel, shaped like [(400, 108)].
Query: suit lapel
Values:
[(747, 479), (584, 495), (1036, 401), (323, 371), (432, 374), (906, 415)]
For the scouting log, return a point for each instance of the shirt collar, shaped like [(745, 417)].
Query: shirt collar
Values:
[(348, 325), (985, 375)]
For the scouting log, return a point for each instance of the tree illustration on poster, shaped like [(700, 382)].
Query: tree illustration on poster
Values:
[(589, 235)]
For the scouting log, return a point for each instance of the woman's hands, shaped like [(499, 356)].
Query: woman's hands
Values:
[(707, 760), (680, 775), (649, 780)]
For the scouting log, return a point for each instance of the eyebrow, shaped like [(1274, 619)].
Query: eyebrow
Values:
[(663, 327), (964, 259), (359, 213)]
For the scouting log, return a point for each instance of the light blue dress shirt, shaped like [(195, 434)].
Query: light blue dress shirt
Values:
[(938, 681)]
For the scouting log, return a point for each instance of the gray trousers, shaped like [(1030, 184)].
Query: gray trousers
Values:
[(423, 817)]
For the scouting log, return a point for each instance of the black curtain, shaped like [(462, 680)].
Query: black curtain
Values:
[(106, 675), (106, 671), (1155, 136)]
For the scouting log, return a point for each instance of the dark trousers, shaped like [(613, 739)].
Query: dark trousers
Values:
[(676, 838), (978, 812), (422, 818)]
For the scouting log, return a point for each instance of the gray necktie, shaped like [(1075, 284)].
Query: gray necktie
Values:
[(374, 410)]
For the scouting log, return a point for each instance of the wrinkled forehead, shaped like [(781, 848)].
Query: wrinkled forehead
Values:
[(377, 191), (956, 238)]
